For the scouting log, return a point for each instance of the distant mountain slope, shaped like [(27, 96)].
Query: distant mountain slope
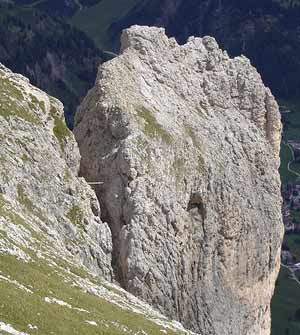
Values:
[(37, 40), (57, 7), (95, 21), (55, 56)]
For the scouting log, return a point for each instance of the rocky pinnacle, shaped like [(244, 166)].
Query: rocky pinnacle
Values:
[(186, 142)]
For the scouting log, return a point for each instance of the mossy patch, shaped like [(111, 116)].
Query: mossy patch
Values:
[(23, 199), (67, 175), (75, 215), (37, 104), (152, 128), (13, 104), (3, 202), (28, 204), (25, 158), (60, 130), (2, 159)]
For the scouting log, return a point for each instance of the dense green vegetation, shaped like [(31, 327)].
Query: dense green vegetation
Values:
[(286, 157), (57, 7), (292, 241), (285, 304), (291, 131), (55, 56), (291, 121)]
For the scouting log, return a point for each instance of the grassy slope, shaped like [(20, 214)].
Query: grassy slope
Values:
[(95, 20), (291, 132), (287, 293), (21, 308), (286, 157), (284, 305)]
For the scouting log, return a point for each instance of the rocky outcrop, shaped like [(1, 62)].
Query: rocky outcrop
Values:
[(38, 179), (55, 252), (186, 142), (264, 31)]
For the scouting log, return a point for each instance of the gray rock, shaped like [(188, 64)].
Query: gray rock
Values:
[(186, 141), (39, 163)]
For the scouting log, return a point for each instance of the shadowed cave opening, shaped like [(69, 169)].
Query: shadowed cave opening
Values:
[(196, 206)]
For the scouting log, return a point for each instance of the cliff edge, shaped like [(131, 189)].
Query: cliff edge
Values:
[(186, 142)]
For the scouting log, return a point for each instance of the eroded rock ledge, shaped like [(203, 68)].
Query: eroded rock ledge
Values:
[(186, 141)]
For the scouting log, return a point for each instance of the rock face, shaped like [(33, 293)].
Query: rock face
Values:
[(51, 233), (186, 142), (39, 168)]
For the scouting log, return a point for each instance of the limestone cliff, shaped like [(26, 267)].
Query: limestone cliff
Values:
[(186, 142), (51, 232), (39, 165)]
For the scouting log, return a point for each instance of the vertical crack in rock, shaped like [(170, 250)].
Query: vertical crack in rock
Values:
[(186, 141), (111, 169)]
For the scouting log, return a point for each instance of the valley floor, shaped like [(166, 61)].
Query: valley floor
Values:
[(285, 304)]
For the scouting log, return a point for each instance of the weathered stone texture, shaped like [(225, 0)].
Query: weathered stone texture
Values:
[(39, 163), (186, 141)]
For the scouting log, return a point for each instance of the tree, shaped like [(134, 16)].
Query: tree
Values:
[(297, 315)]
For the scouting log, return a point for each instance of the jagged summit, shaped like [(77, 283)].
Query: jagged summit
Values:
[(186, 141)]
